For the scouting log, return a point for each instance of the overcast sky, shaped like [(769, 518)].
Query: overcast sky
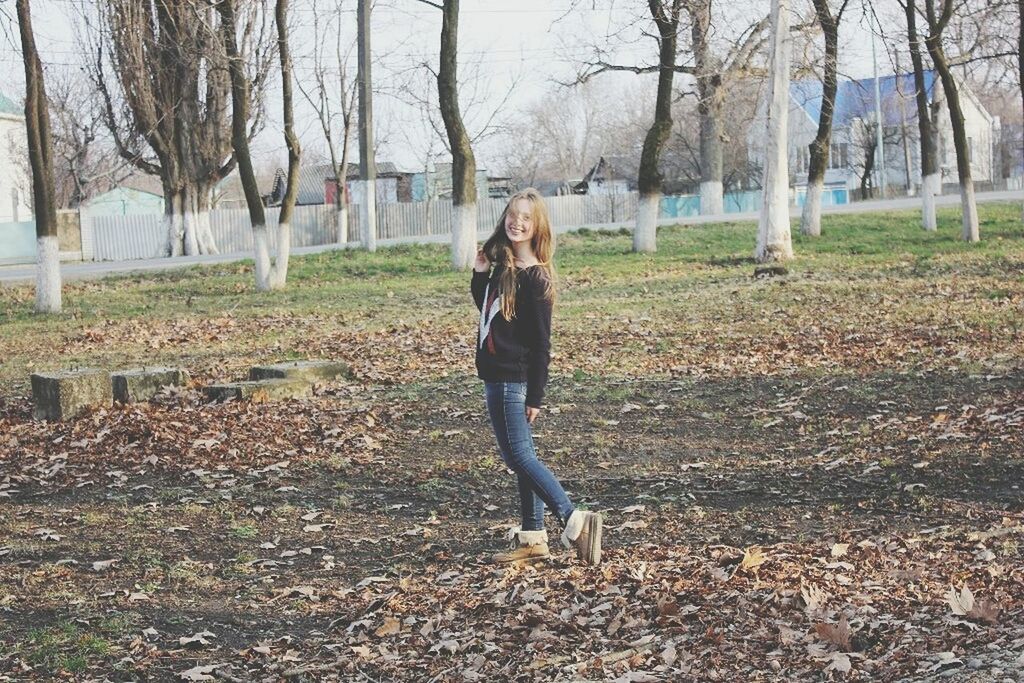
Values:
[(531, 44)]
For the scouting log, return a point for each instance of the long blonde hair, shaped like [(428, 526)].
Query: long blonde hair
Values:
[(498, 249)]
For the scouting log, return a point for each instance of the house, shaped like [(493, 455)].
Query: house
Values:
[(317, 184), (437, 184), (15, 176), (138, 194), (229, 193), (854, 133), (610, 175)]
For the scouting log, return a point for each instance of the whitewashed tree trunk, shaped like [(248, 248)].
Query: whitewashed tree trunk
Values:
[(48, 279), (368, 216), (341, 224), (261, 245), (810, 221), (645, 235), (279, 273), (204, 228), (931, 186), (970, 212), (774, 242), (174, 228), (712, 200), (463, 250), (187, 223)]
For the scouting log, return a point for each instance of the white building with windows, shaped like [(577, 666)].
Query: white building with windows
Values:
[(854, 132), (15, 183)]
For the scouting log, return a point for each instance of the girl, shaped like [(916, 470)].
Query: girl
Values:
[(512, 356)]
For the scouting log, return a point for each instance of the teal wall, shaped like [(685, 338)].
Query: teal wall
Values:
[(743, 202), (18, 242)]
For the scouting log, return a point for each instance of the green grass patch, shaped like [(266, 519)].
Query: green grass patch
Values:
[(698, 283)]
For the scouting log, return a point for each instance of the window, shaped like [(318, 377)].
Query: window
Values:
[(970, 150), (838, 158)]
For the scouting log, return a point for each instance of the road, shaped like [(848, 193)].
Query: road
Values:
[(21, 274)]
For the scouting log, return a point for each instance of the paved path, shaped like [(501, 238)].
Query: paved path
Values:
[(77, 271)]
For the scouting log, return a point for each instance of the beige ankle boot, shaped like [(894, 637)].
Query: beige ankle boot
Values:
[(583, 532), (531, 546)]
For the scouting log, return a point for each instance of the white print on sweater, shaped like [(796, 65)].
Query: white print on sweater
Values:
[(487, 315)]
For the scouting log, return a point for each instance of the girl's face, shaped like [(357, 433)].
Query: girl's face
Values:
[(519, 221)]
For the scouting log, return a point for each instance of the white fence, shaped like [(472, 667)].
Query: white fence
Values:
[(123, 238)]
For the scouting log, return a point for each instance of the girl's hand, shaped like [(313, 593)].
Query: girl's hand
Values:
[(531, 414), (482, 263)]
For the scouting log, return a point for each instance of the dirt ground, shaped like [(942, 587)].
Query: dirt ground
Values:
[(802, 527)]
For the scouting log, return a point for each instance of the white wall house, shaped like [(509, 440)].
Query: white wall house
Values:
[(853, 132), (15, 183)]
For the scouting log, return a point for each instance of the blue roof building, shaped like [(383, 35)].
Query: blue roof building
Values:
[(854, 131)]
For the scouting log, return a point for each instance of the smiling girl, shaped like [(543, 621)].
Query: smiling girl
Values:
[(513, 288)]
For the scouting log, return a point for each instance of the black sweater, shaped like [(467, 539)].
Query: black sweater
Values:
[(517, 350)]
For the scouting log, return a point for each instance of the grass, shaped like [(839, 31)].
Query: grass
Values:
[(700, 279), (64, 647)]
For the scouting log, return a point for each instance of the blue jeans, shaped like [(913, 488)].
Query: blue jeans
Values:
[(506, 404)]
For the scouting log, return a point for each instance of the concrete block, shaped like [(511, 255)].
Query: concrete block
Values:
[(66, 393), (259, 390), (308, 370), (142, 384)]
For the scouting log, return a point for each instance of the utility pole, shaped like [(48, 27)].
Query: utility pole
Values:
[(878, 118), (367, 164)]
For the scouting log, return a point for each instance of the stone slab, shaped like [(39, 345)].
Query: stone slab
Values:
[(64, 394), (307, 370), (259, 390), (142, 384)]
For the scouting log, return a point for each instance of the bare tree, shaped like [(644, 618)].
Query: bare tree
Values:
[(464, 211), (85, 164), (1020, 64), (712, 74), (40, 145), (774, 242), (333, 97), (810, 223), (279, 275), (268, 276), (938, 20), (463, 249), (931, 180), (367, 152), (162, 75)]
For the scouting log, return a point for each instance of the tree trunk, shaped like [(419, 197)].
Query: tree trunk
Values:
[(240, 142), (820, 148), (649, 180), (279, 275), (341, 223), (187, 220), (774, 242), (709, 82), (869, 167), (367, 162), (464, 227), (1020, 59), (956, 117), (930, 180), (40, 146)]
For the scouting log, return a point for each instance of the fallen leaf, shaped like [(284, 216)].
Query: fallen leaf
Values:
[(200, 673), (390, 627), (838, 635), (961, 603), (200, 639), (753, 558)]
